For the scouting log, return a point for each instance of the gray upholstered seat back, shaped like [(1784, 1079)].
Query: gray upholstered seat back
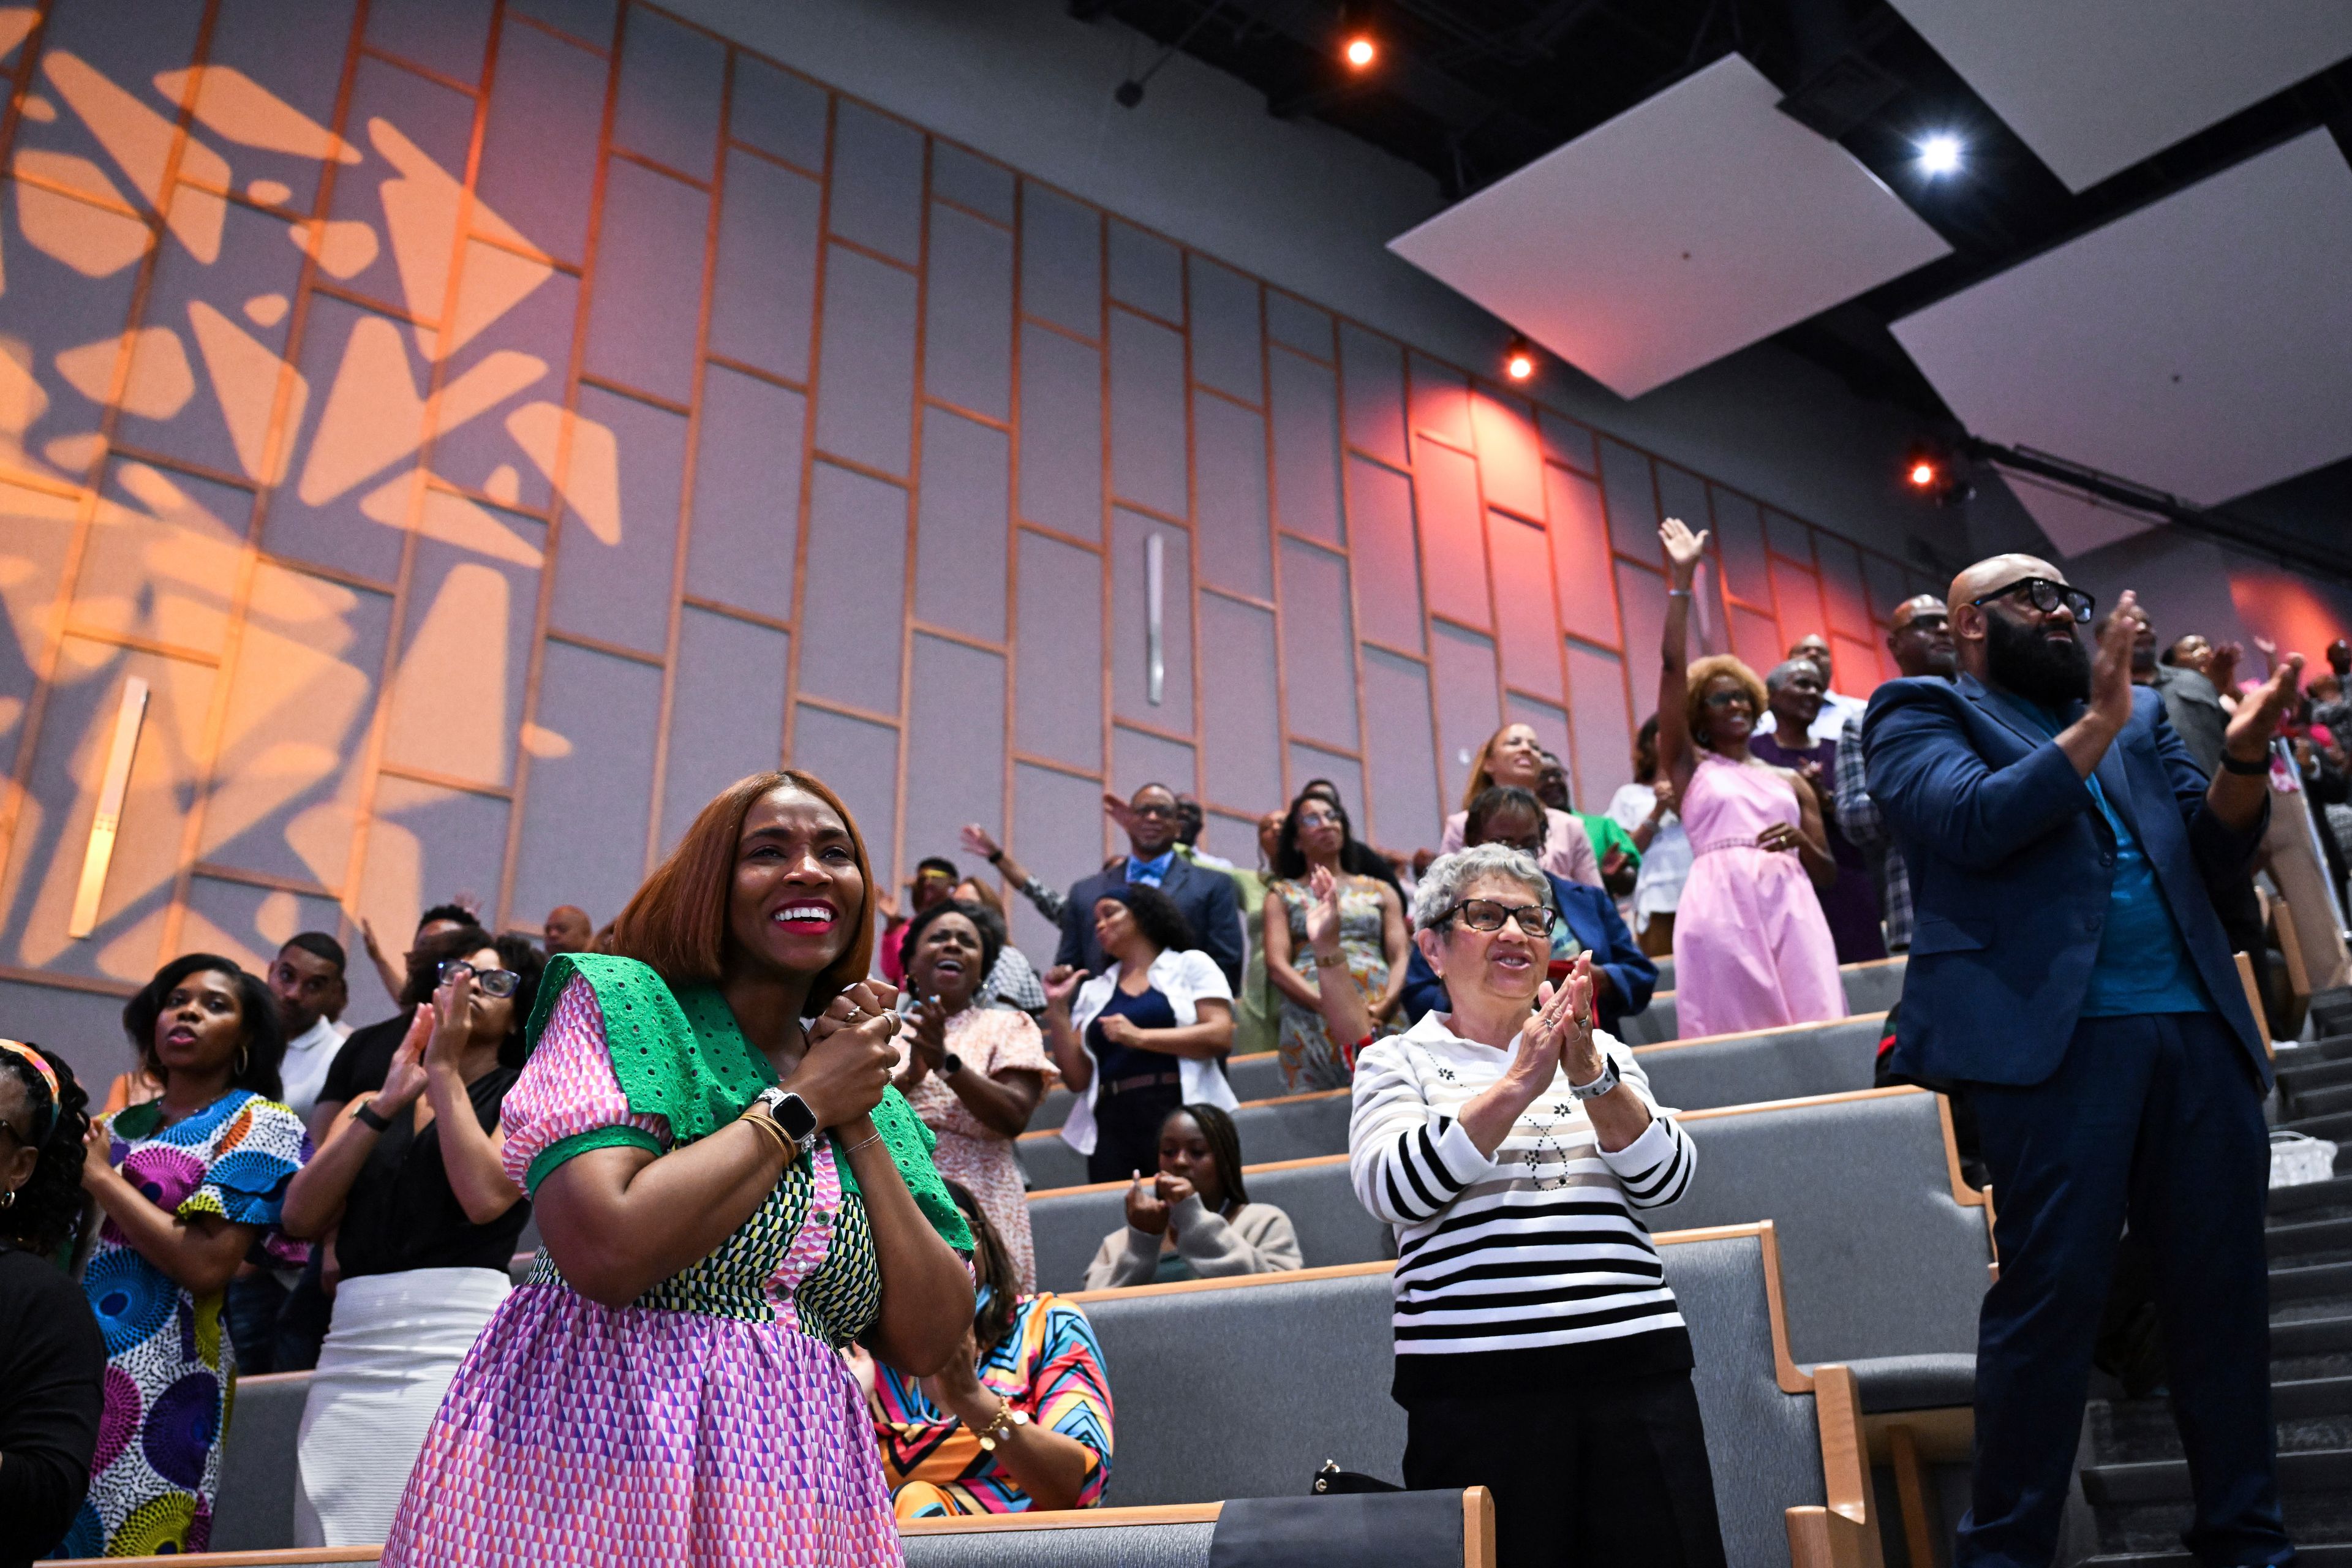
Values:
[(254, 1509), (1332, 1226), (1297, 1128), (1794, 1063), (1245, 1391), (1183, 1545), (1653, 1024), (1761, 1444), (1877, 1258), (1874, 987), (1258, 1075)]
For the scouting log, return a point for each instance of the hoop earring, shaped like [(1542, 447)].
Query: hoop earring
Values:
[(8, 1199), (241, 1059)]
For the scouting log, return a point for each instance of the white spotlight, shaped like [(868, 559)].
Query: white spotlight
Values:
[(1939, 155)]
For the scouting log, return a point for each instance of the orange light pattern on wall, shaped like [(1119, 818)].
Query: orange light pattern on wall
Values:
[(480, 475)]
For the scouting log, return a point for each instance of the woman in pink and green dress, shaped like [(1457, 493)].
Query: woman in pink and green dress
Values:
[(729, 1190)]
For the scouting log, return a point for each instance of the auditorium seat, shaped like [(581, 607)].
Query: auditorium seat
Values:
[(1293, 1127), (1254, 1075), (1244, 1387), (1418, 1530), (1870, 987), (1888, 1253), (254, 1511), (1791, 1062), (1332, 1226)]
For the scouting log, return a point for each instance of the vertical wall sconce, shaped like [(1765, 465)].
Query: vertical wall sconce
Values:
[(103, 826), (1155, 588)]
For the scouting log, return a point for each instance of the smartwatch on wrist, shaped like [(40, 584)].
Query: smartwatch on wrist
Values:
[(951, 1065), (791, 1112)]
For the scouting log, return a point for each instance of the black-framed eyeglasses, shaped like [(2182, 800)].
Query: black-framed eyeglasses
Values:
[(498, 983), (1485, 914), (2046, 596), (1727, 699)]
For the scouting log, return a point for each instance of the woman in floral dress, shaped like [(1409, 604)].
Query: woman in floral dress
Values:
[(729, 1190), (1372, 935), (190, 1183), (973, 1072)]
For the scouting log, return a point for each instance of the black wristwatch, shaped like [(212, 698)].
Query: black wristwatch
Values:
[(949, 1065), (2248, 769), (369, 1116)]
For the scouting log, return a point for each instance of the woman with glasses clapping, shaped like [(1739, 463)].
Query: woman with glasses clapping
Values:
[(1753, 949), (411, 1186), (1513, 1146)]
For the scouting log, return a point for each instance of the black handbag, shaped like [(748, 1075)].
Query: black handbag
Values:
[(1331, 1480)]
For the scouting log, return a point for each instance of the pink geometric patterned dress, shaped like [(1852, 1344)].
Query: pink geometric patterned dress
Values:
[(1753, 950), (708, 1423)]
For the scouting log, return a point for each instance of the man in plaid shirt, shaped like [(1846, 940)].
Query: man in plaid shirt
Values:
[(1921, 640)]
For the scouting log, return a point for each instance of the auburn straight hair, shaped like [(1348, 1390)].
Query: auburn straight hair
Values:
[(676, 922)]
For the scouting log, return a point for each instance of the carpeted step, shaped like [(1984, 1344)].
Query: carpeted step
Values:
[(2310, 1281), (2309, 1238), (2287, 1204)]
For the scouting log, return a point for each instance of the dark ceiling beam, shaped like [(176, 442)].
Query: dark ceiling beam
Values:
[(2216, 524)]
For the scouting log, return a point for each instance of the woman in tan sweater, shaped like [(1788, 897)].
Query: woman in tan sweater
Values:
[(1193, 1220)]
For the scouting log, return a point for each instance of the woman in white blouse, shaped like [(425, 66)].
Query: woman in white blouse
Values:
[(1140, 1039)]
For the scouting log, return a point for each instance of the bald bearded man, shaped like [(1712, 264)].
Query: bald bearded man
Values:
[(2067, 967)]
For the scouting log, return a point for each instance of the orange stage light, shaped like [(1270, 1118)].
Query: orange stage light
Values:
[(1519, 360), (1922, 474), (1360, 51)]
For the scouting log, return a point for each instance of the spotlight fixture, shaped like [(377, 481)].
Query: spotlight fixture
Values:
[(1936, 475), (1360, 51), (1519, 360), (1939, 155)]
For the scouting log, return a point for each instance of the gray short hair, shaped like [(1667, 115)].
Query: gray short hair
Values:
[(1440, 888), (1788, 670)]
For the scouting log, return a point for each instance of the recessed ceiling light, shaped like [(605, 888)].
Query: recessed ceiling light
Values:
[(1941, 155)]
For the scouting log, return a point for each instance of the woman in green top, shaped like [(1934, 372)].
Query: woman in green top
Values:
[(729, 1190)]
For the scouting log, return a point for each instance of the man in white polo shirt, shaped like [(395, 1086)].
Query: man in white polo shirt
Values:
[(306, 978)]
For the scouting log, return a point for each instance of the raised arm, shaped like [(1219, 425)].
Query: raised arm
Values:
[(199, 1251), (315, 1197), (1062, 1041), (1347, 1016), (472, 1156), (1684, 552)]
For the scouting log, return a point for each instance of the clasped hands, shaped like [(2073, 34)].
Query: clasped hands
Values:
[(850, 1058), (1149, 1208)]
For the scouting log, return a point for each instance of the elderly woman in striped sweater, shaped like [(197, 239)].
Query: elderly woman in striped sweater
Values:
[(1512, 1144)]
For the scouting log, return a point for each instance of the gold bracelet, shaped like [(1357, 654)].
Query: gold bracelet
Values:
[(1001, 1424), (767, 1124)]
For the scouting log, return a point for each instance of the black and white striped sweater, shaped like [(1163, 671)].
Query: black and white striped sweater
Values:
[(1534, 1262)]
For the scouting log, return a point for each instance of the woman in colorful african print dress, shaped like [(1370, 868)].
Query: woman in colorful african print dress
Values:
[(974, 1073), (190, 1183), (1019, 1419), (728, 1189), (1372, 935)]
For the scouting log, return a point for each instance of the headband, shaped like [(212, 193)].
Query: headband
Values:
[(48, 1074)]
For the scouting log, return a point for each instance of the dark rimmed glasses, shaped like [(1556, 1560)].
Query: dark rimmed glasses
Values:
[(2046, 595), (1485, 914), (498, 983)]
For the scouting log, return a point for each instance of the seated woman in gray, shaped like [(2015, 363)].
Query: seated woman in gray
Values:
[(1194, 1219)]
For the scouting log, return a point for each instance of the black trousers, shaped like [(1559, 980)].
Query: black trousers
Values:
[(1611, 1475), (2155, 1118), (1126, 1130)]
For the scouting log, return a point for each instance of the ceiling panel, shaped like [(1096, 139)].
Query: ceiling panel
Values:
[(2075, 521), (1691, 226), (2095, 86), (2200, 345)]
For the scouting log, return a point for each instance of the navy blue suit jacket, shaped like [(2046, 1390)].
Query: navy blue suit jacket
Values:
[(1592, 915), (1205, 898), (2012, 865)]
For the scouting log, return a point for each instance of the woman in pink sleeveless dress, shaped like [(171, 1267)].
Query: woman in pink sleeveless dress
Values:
[(1753, 949)]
